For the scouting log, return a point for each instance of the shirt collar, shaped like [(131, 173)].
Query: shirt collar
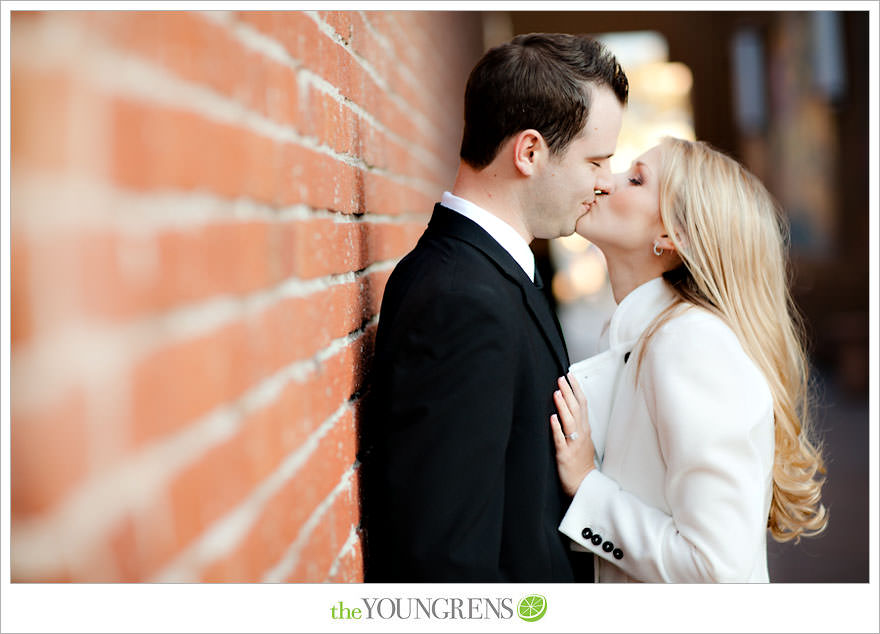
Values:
[(503, 233)]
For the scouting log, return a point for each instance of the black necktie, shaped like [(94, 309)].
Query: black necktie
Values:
[(539, 283)]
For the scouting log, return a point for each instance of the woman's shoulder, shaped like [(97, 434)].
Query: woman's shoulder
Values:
[(695, 323), (700, 338)]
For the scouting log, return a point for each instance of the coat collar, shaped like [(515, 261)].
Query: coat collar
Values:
[(600, 374), (637, 310), (451, 223)]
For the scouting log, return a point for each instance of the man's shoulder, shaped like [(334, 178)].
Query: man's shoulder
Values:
[(447, 279), (447, 263)]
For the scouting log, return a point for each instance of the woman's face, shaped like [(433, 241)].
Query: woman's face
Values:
[(628, 221)]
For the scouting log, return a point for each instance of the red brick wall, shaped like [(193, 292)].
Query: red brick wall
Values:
[(205, 208)]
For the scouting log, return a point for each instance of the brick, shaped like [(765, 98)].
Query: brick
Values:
[(113, 276), (196, 49), (123, 543), (178, 383), (425, 98), (158, 147), (319, 181), (207, 489), (375, 289), (20, 303), (52, 290), (39, 104), (265, 439), (49, 452), (142, 540), (350, 568), (384, 196), (325, 541), (392, 241), (316, 51), (292, 29), (283, 516), (333, 123), (309, 45), (340, 21), (322, 247), (193, 49)]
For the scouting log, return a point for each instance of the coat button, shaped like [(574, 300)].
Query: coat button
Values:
[(586, 533), (607, 547), (597, 539), (626, 357), (618, 554)]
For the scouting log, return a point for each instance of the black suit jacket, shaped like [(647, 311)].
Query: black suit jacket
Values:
[(458, 472)]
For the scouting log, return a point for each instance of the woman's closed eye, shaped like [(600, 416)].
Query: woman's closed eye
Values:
[(638, 174)]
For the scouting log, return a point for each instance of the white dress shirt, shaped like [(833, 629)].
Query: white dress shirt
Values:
[(503, 233)]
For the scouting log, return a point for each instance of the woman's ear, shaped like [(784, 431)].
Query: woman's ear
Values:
[(665, 242), (528, 149)]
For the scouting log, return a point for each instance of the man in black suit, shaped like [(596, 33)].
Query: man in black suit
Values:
[(458, 474)]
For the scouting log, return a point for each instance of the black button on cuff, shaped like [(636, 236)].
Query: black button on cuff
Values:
[(607, 547), (597, 539), (586, 533), (618, 554)]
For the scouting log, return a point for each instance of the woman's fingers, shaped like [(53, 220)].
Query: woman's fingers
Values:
[(565, 415), (576, 412), (558, 434), (578, 392), (570, 400)]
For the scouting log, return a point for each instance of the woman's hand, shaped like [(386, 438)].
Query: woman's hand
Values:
[(574, 446)]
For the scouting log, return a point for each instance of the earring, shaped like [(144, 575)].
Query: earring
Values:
[(657, 250)]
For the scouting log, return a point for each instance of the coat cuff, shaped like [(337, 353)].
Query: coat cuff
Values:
[(583, 522)]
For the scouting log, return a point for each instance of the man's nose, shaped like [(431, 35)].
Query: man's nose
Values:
[(605, 183)]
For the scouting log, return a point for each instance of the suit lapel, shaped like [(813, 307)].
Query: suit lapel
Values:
[(543, 315), (450, 223)]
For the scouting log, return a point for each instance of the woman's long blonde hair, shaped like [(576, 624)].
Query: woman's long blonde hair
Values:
[(730, 236)]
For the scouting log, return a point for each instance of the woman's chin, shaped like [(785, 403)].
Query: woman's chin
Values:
[(582, 228)]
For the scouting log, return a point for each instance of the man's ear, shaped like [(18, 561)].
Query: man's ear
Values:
[(528, 149)]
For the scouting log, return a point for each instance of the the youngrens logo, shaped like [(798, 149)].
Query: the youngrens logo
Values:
[(530, 608)]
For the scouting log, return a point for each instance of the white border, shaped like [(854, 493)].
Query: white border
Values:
[(305, 607)]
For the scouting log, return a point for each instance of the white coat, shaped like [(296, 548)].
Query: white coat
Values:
[(684, 480)]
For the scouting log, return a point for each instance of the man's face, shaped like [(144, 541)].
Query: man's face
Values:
[(564, 187)]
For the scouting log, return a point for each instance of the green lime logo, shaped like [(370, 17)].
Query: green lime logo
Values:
[(532, 607)]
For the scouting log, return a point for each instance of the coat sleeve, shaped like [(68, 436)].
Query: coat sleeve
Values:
[(451, 419), (713, 415)]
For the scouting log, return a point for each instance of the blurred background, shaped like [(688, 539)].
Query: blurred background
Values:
[(205, 207)]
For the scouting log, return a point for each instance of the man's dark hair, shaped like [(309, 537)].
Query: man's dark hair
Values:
[(535, 81)]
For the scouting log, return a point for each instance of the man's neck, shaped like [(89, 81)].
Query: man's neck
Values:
[(493, 194)]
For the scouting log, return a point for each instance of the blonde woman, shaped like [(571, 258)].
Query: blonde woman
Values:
[(687, 438)]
